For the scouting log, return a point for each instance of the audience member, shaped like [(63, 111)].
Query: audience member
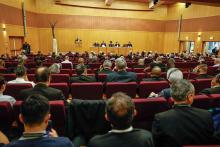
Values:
[(184, 124), (54, 68), (43, 78), (5, 98), (68, 61), (155, 75), (201, 70), (170, 63), (140, 64), (158, 62), (2, 63), (21, 77), (39, 63), (35, 115), (120, 111), (216, 62), (121, 75), (81, 75), (106, 67), (215, 86)]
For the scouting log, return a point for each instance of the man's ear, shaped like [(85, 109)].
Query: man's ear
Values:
[(190, 98), (21, 118), (47, 118), (135, 113), (106, 117)]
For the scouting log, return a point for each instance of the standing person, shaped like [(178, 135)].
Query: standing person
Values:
[(27, 48)]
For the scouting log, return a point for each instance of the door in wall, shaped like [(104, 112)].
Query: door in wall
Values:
[(15, 43)]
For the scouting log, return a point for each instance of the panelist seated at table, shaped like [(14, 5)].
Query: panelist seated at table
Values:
[(129, 45), (111, 44), (117, 44), (103, 44), (96, 44)]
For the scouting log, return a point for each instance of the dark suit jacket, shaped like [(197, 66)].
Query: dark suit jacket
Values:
[(105, 71), (42, 89), (182, 125), (154, 79), (204, 76), (82, 79), (214, 90), (135, 138), (42, 142), (122, 76)]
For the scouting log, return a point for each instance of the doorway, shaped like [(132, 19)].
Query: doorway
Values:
[(187, 46), (15, 43)]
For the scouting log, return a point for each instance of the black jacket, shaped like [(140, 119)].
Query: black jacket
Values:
[(204, 76), (135, 138), (122, 76), (42, 89), (214, 90), (82, 79), (182, 125)]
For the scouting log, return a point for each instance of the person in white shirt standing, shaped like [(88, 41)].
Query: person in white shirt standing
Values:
[(68, 61), (5, 98), (21, 77)]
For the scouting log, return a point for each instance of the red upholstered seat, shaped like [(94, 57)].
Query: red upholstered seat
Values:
[(3, 70), (58, 116), (87, 90), (59, 78), (140, 76), (145, 88), (31, 71), (31, 77), (63, 87), (66, 66), (212, 70), (129, 69), (14, 89), (201, 84), (128, 88), (138, 70), (146, 109), (66, 71), (6, 116), (102, 77), (9, 77), (94, 65)]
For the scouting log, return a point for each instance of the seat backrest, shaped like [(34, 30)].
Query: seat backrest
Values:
[(146, 109), (202, 101), (212, 70), (89, 91), (102, 77), (14, 89), (145, 88), (138, 70), (58, 116), (66, 71), (66, 66), (9, 77), (6, 116), (31, 77), (63, 87), (59, 78), (128, 88), (140, 76), (201, 84)]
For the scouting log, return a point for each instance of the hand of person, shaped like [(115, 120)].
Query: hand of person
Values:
[(152, 94), (53, 133)]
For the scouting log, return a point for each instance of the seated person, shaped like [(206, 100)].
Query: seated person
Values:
[(5, 98), (216, 62), (43, 78), (215, 86), (66, 60), (170, 63), (201, 70), (155, 75), (3, 139), (21, 77), (81, 75), (158, 62), (183, 124), (35, 115), (140, 64), (106, 67), (54, 68), (173, 74), (121, 75), (2, 63), (120, 111)]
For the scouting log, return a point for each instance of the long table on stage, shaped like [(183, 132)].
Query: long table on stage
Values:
[(115, 50)]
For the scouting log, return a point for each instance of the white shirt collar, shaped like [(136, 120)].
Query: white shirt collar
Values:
[(122, 131), (20, 79)]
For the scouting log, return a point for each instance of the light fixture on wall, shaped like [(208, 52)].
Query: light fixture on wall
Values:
[(3, 27), (187, 38), (199, 36), (211, 37)]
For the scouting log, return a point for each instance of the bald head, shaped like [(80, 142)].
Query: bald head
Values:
[(156, 71), (42, 74)]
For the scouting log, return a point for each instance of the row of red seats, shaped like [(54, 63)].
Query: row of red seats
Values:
[(146, 109), (97, 89)]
